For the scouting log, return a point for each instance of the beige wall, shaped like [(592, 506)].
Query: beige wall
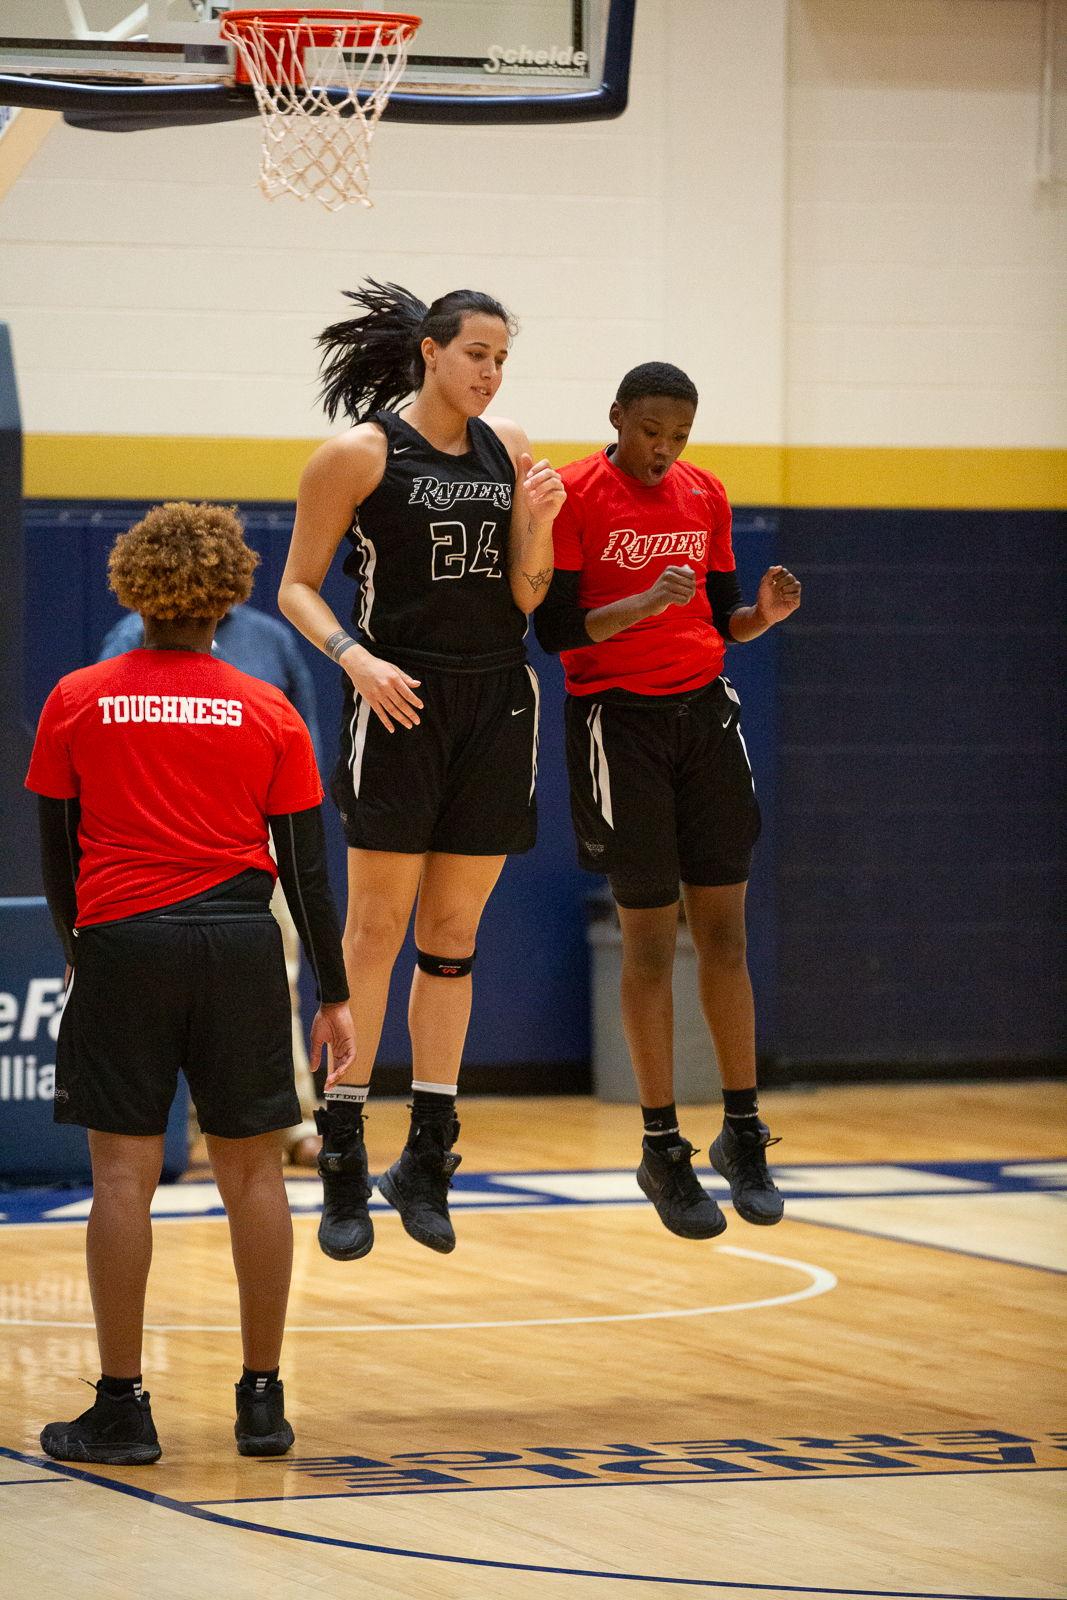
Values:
[(926, 262), (825, 209)]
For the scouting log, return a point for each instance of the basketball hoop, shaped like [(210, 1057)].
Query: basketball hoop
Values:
[(308, 69)]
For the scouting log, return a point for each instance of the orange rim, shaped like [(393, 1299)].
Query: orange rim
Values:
[(360, 27)]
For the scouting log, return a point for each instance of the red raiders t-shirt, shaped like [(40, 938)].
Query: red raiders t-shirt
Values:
[(177, 759), (620, 534)]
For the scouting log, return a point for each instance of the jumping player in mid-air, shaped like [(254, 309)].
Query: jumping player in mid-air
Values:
[(644, 598), (159, 774), (451, 527)]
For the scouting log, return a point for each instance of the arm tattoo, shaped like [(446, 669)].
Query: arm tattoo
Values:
[(336, 645), (538, 580)]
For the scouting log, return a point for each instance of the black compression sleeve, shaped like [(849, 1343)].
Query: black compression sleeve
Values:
[(60, 858), (559, 621), (300, 845), (724, 597)]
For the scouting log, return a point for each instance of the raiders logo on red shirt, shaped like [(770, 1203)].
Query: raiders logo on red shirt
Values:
[(635, 550)]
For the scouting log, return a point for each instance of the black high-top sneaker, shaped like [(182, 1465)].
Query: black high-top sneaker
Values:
[(740, 1159), (684, 1205), (417, 1185), (116, 1431), (261, 1428), (346, 1231)]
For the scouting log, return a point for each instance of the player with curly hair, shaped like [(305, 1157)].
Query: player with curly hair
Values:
[(158, 774)]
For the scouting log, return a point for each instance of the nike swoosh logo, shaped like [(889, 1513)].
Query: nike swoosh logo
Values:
[(402, 448), (520, 711), (728, 721)]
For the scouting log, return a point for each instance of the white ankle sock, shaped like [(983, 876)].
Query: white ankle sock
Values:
[(349, 1094)]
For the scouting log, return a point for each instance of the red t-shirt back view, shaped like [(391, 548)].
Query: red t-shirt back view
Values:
[(177, 759), (620, 534)]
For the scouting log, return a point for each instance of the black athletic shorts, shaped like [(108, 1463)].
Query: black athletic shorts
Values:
[(199, 987), (663, 788), (461, 782)]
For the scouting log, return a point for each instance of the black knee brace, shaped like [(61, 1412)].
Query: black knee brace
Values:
[(444, 966), (643, 891)]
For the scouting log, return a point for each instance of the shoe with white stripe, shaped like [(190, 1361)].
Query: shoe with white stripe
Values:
[(261, 1428)]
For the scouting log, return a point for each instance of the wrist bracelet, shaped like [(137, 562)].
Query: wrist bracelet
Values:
[(336, 645)]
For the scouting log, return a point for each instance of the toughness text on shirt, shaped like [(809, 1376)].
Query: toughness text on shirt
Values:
[(170, 708)]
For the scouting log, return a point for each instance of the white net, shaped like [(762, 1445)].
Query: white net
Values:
[(316, 145)]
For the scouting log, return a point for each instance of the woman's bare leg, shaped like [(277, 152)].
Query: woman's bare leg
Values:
[(118, 1244), (249, 1175), (716, 918), (381, 892), (452, 896), (666, 1175), (648, 942), (717, 922)]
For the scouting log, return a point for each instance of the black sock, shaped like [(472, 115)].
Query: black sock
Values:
[(118, 1387), (741, 1107), (661, 1126), (259, 1380), (344, 1114), (433, 1120), (429, 1107)]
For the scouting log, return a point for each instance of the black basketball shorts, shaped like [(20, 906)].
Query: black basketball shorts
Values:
[(150, 998), (460, 782), (663, 789)]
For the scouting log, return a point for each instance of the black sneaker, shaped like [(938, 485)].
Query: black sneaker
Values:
[(116, 1431), (684, 1205), (740, 1159), (346, 1231), (261, 1428), (417, 1185)]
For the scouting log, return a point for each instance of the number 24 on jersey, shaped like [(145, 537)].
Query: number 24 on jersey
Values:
[(450, 551)]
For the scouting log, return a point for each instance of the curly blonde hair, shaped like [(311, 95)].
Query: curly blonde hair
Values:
[(183, 561)]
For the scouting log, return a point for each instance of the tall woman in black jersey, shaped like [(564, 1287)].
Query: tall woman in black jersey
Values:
[(451, 527)]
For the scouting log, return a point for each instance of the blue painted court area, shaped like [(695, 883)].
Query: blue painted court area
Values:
[(491, 1191), (1008, 1211)]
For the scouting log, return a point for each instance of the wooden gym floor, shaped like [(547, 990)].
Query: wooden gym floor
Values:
[(576, 1405)]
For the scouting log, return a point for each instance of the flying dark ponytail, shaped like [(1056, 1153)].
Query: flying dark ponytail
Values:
[(373, 360)]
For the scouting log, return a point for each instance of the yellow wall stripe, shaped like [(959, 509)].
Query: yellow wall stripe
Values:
[(1002, 479), (86, 466), (145, 466)]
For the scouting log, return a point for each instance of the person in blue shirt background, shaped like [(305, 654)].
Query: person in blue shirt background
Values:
[(264, 648)]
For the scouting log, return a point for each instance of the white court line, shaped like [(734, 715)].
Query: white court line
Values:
[(822, 1282)]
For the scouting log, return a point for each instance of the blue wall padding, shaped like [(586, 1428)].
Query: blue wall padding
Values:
[(905, 728), (532, 985), (33, 1148), (921, 884)]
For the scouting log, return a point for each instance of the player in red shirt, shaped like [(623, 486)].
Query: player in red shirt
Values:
[(157, 774), (643, 599)]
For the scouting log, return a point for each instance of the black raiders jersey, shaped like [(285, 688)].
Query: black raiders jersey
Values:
[(431, 554)]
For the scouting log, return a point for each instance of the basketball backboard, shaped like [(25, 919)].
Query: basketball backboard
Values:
[(113, 64)]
